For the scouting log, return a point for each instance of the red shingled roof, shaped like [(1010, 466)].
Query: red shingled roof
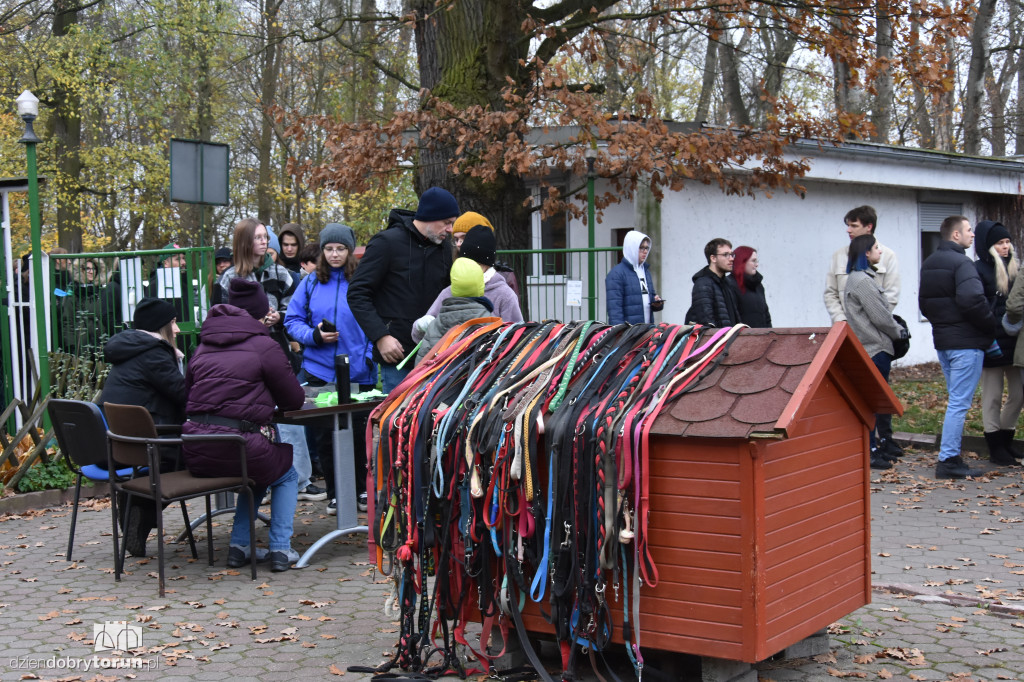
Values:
[(769, 375)]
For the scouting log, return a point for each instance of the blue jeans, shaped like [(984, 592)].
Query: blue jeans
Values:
[(296, 436), (962, 369), (883, 422), (391, 376), (283, 498)]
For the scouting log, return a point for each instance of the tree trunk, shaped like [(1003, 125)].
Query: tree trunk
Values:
[(881, 109), (269, 75), (922, 122), (731, 83), (707, 86), (465, 55), (66, 128), (976, 76)]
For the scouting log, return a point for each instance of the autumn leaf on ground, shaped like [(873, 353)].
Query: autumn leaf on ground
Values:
[(864, 659), (335, 670), (841, 673)]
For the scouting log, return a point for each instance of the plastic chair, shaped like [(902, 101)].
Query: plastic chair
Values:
[(81, 434), (133, 440)]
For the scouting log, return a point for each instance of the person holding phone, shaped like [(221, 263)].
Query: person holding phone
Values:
[(320, 319), (629, 287)]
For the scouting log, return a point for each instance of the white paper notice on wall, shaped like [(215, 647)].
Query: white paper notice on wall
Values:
[(574, 293)]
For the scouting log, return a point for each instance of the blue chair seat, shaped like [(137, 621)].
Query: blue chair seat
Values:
[(95, 472)]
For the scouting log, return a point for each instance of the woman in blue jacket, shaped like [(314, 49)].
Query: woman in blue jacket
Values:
[(322, 297), (629, 287)]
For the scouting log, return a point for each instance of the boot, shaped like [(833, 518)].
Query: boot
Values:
[(878, 461), (997, 454), (955, 467), (884, 451), (1008, 435)]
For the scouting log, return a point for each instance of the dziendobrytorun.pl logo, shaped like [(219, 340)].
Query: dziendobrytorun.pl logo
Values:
[(110, 636)]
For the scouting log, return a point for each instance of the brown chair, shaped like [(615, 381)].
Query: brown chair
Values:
[(133, 441)]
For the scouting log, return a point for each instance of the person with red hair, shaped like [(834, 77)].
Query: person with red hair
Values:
[(753, 305)]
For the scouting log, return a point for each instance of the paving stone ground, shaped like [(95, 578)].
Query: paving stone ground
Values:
[(948, 604)]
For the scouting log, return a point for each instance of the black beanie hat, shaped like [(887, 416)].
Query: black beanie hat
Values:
[(996, 233), (479, 245), (223, 253), (336, 233), (152, 314), (249, 296), (437, 203)]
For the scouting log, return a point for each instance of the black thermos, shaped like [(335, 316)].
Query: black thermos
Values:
[(341, 378)]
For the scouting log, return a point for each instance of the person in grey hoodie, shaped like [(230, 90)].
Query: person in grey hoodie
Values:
[(867, 313), (467, 302)]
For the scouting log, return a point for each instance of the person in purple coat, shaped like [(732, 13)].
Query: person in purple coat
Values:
[(235, 380)]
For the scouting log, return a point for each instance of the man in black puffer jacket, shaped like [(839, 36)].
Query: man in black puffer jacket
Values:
[(715, 299), (402, 271), (951, 296)]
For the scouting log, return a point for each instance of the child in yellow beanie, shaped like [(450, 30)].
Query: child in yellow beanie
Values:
[(467, 302)]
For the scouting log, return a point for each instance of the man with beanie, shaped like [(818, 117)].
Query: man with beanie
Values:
[(860, 220), (404, 268), (466, 302), (466, 222), (952, 297), (479, 246)]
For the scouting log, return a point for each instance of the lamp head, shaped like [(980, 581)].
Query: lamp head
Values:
[(590, 153), (28, 105)]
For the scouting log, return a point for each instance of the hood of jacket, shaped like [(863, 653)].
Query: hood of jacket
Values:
[(981, 238), (226, 325), (401, 218), (127, 344), (631, 247)]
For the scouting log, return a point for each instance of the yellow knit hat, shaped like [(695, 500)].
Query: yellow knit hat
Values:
[(467, 278), (468, 220)]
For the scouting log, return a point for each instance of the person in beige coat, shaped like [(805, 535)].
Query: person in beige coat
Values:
[(860, 221)]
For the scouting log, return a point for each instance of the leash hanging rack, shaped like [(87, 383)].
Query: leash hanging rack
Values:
[(511, 466)]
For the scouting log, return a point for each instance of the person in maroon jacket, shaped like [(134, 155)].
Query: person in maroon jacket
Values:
[(235, 379)]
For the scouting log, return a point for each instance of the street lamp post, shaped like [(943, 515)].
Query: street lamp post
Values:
[(28, 110), (590, 154)]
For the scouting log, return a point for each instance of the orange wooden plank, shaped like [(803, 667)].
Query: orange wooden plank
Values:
[(792, 525), (820, 565)]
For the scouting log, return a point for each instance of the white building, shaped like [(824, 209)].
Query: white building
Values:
[(912, 191)]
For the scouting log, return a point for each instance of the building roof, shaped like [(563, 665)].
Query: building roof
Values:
[(765, 383)]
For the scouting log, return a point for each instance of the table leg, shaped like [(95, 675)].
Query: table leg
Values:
[(344, 488)]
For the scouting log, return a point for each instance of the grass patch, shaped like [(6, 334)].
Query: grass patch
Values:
[(922, 390)]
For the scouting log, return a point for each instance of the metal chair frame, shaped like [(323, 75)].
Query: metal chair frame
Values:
[(133, 440)]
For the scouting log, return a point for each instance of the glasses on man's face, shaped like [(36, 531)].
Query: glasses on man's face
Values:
[(645, 248), (725, 255)]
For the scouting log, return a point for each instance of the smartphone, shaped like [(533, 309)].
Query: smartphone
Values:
[(327, 326)]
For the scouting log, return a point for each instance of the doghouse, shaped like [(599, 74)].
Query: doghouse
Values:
[(760, 519)]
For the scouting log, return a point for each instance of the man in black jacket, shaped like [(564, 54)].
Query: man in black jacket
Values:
[(952, 297), (402, 271), (715, 299)]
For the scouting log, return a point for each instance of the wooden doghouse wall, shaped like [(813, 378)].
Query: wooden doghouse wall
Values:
[(816, 531)]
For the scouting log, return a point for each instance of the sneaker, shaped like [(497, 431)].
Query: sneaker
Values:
[(361, 504), (282, 561), (266, 499), (238, 555), (135, 533), (332, 507), (955, 467), (313, 493)]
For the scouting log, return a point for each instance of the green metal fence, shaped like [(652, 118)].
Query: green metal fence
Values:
[(554, 284), (93, 296)]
